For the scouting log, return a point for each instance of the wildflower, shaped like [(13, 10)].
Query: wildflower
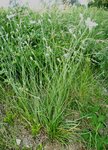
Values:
[(90, 24), (18, 141)]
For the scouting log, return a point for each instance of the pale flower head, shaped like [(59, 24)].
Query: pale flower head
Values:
[(90, 24)]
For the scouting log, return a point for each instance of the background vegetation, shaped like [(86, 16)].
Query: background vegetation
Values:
[(101, 3)]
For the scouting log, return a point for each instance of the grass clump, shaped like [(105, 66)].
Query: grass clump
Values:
[(53, 72)]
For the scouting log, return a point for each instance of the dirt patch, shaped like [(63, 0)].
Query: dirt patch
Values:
[(55, 146)]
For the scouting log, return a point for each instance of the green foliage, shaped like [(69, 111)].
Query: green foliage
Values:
[(95, 124), (101, 3), (9, 118), (48, 62), (35, 129)]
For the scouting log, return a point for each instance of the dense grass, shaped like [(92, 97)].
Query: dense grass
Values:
[(53, 75)]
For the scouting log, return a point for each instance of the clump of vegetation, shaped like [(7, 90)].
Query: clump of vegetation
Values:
[(53, 75)]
